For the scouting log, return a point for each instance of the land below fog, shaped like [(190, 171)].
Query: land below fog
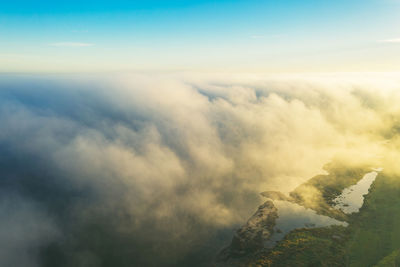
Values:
[(332, 236)]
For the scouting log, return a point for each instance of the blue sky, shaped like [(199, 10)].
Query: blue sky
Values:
[(269, 35)]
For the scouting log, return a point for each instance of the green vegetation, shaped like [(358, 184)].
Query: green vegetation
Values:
[(314, 247), (375, 229), (393, 260), (319, 192), (371, 239)]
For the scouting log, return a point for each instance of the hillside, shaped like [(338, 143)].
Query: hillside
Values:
[(372, 237)]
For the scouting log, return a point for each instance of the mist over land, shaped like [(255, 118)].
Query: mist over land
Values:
[(159, 169)]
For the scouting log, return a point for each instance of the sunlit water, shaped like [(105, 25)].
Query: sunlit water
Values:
[(352, 198), (293, 216)]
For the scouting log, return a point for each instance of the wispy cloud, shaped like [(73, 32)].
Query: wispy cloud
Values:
[(71, 44), (260, 36), (390, 41), (257, 36)]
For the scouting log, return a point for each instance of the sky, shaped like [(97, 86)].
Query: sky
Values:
[(203, 35)]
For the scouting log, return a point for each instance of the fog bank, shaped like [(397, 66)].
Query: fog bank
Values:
[(156, 170)]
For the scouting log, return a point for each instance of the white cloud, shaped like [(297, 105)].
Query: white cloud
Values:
[(390, 41), (71, 44), (185, 153)]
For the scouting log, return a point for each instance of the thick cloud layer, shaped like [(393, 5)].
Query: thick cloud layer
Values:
[(140, 170)]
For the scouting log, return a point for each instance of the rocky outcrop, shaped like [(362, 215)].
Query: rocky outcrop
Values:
[(251, 236)]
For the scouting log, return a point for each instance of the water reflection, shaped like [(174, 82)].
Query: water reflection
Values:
[(352, 198), (293, 216)]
